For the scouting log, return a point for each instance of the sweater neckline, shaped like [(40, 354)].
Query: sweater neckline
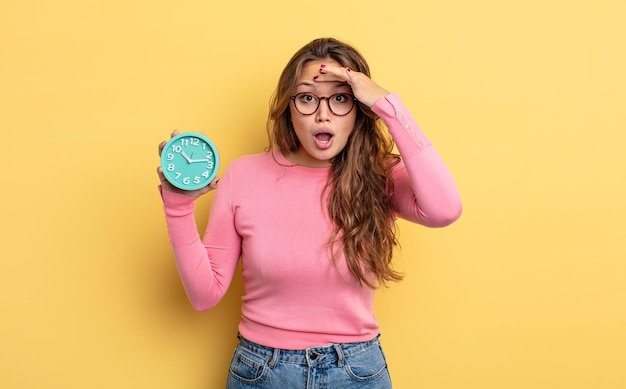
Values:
[(283, 162)]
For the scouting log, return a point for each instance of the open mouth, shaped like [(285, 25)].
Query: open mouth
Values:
[(323, 137)]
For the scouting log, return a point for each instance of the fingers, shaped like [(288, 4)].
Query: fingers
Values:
[(162, 178), (213, 184), (365, 90), (334, 73)]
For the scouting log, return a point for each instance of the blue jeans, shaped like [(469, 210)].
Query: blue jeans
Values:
[(341, 366)]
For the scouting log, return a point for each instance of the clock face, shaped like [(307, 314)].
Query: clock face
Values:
[(189, 161)]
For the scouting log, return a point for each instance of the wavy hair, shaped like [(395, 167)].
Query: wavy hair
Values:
[(360, 183)]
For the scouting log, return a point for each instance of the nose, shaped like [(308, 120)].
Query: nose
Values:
[(323, 111)]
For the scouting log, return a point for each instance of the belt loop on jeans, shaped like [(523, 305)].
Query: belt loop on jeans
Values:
[(342, 358), (274, 358)]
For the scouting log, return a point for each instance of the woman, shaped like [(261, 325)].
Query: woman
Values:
[(312, 220)]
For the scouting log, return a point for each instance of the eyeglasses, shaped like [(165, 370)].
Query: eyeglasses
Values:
[(340, 104)]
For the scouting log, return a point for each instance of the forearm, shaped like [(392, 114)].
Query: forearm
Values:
[(426, 193), (197, 273)]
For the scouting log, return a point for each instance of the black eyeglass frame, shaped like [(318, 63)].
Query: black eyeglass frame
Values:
[(319, 101)]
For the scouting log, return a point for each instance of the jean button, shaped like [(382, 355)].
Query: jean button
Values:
[(314, 356)]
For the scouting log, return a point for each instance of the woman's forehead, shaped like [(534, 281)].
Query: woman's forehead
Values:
[(322, 86), (313, 66), (311, 69)]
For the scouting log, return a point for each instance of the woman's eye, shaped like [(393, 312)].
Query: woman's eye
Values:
[(306, 98), (341, 98)]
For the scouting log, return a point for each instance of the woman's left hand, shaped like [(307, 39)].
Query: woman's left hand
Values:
[(365, 90)]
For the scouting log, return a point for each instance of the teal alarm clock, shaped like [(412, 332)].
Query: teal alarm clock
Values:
[(190, 161)]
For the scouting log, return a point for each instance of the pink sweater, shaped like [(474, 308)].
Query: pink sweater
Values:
[(275, 219)]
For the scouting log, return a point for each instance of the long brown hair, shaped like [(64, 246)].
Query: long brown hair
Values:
[(360, 182)]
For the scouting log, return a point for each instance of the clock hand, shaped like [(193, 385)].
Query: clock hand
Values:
[(189, 160), (198, 160)]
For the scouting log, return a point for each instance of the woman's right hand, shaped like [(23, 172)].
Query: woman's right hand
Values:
[(165, 184)]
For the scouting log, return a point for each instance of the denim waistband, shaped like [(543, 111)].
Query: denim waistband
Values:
[(310, 356)]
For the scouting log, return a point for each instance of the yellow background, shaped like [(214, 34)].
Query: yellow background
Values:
[(524, 100)]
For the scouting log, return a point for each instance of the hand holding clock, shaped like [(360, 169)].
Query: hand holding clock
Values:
[(204, 168)]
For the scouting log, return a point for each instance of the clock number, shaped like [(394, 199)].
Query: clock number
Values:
[(209, 165), (170, 156), (205, 174), (195, 141), (196, 180), (170, 167), (177, 176), (186, 180), (177, 148), (209, 154)]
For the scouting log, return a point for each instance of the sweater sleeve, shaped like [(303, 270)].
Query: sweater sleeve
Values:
[(424, 189), (206, 266)]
